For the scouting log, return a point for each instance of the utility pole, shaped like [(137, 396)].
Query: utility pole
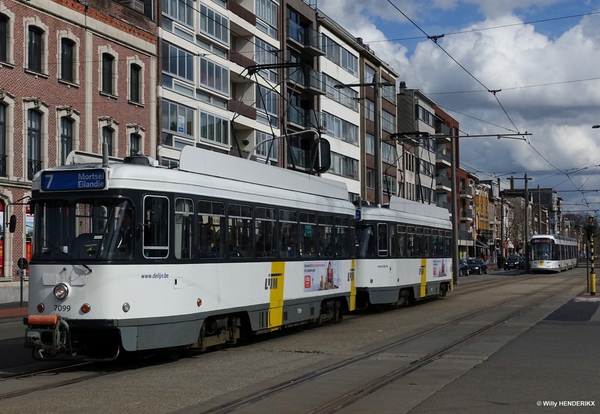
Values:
[(454, 193), (526, 225)]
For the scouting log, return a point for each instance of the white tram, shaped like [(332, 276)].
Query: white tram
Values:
[(552, 253), (219, 248), (404, 253)]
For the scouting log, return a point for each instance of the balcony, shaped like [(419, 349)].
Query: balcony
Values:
[(442, 158), (240, 59), (301, 157), (307, 78), (466, 215), (241, 108), (466, 192), (303, 118), (305, 37), (242, 12), (33, 166), (443, 183)]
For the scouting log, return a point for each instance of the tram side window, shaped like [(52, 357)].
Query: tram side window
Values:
[(288, 231), (436, 248), (264, 232), (184, 218), (325, 242), (393, 242), (341, 241), (240, 231), (448, 248), (211, 220), (401, 241), (156, 227), (366, 241), (382, 239), (427, 242), (308, 235), (411, 248), (419, 242)]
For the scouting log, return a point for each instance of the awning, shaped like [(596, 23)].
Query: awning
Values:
[(482, 246)]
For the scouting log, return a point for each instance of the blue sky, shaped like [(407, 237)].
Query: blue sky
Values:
[(547, 66)]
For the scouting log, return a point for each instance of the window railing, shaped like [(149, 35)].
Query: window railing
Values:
[(33, 166)]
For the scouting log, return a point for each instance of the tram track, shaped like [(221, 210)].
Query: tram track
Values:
[(47, 372), (244, 404)]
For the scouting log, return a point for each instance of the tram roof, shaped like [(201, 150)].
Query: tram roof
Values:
[(215, 167), (200, 161), (409, 212)]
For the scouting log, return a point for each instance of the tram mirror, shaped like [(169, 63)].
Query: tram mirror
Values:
[(321, 155), (12, 224)]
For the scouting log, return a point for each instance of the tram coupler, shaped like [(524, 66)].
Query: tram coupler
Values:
[(47, 333)]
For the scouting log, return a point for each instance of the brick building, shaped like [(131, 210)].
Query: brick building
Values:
[(73, 74)]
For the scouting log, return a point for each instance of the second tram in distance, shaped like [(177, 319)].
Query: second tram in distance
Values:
[(552, 253)]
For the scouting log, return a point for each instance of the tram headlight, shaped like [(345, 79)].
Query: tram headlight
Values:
[(61, 291)]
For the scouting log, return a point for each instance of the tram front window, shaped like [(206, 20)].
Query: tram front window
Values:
[(541, 250), (83, 230)]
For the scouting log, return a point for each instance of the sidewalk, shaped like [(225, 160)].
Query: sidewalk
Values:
[(12, 310)]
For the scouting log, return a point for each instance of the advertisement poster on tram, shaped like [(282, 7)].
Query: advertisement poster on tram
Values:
[(440, 268), (322, 275)]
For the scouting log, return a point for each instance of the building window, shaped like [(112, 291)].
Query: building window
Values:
[(267, 101), (66, 138), (340, 129), (3, 140), (340, 56), (265, 54), (107, 138), (370, 144), (3, 38), (35, 49), (34, 143), (135, 83), (370, 180), (67, 60), (266, 13), (180, 10), (178, 62), (344, 166), (214, 25), (345, 96), (369, 74), (176, 120), (388, 122), (388, 153), (370, 110), (213, 76), (269, 148), (214, 128), (108, 62), (134, 144)]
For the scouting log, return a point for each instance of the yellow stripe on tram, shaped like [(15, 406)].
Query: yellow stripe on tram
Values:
[(351, 276), (423, 271), (276, 297)]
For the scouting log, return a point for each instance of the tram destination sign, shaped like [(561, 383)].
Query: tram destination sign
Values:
[(79, 180)]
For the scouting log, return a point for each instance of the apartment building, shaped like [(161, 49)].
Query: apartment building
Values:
[(73, 75), (417, 125)]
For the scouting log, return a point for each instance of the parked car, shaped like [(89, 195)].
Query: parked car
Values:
[(463, 268), (477, 266), (514, 262)]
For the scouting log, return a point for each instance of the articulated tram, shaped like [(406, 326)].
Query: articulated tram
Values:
[(404, 253), (552, 253), (130, 256)]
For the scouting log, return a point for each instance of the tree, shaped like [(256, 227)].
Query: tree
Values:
[(515, 228)]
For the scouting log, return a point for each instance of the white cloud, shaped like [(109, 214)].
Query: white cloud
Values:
[(514, 58)]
